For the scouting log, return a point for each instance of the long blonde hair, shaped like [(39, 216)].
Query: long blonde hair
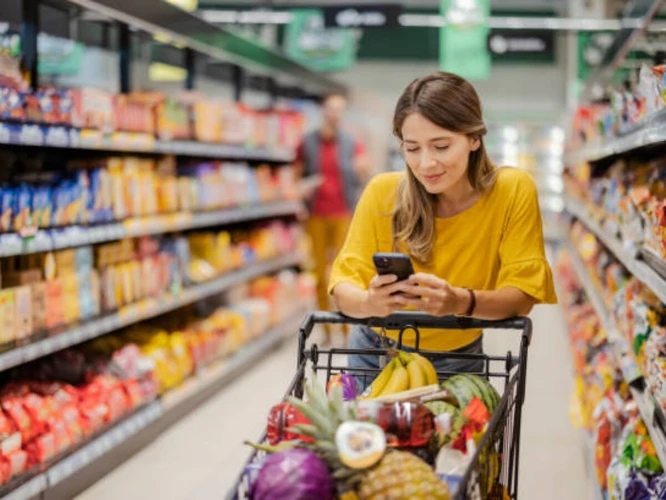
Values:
[(452, 103)]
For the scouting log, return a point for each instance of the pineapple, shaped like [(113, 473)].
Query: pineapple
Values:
[(402, 476)]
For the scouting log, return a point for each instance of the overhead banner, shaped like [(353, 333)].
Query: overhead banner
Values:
[(310, 43), (521, 45), (365, 16), (463, 40)]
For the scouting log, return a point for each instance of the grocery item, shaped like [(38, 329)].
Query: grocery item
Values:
[(360, 444), (348, 384), (294, 474), (402, 476), (465, 387)]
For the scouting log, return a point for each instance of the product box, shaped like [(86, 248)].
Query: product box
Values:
[(21, 278), (38, 307), (7, 316), (23, 315), (54, 304)]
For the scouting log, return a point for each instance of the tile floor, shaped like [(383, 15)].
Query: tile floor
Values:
[(200, 457)]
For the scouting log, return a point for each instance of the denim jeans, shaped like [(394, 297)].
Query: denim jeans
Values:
[(363, 337)]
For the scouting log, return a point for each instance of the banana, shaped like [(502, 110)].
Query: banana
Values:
[(417, 377), (380, 381), (428, 369), (399, 381)]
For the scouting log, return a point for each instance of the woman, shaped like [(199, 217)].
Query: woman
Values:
[(472, 231)]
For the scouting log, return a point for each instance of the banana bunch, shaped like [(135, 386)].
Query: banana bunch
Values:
[(406, 371)]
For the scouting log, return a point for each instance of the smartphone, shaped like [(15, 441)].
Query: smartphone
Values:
[(393, 263)]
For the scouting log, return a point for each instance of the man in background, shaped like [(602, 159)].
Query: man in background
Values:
[(338, 162)]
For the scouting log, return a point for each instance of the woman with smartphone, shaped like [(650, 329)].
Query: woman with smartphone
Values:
[(472, 231)]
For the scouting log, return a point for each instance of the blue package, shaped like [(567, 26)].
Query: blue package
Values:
[(60, 204), (23, 207), (7, 208), (42, 206)]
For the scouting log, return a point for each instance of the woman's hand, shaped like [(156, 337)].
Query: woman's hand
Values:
[(433, 295), (379, 301)]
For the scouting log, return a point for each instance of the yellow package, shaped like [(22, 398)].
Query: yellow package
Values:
[(7, 316)]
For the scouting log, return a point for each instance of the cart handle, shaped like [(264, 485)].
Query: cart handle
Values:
[(404, 320), (412, 320)]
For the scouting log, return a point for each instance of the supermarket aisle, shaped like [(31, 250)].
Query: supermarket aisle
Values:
[(201, 456)]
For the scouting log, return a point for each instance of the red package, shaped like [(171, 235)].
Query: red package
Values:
[(477, 411), (118, 404), (58, 428), (10, 439), (72, 419), (133, 392), (39, 411), (14, 464), (93, 416), (20, 417), (41, 449)]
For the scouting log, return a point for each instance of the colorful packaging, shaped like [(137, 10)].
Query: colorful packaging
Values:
[(7, 208), (7, 316), (23, 315), (23, 208)]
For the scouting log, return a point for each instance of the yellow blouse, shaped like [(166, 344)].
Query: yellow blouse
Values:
[(496, 243)]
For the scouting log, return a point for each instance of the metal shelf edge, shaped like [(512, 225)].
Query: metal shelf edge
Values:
[(80, 236), (224, 368), (90, 452), (28, 490), (116, 320)]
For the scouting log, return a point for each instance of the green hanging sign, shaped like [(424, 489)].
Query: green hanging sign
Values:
[(319, 48), (463, 40)]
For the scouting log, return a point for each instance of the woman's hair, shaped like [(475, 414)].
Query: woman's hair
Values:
[(451, 103)]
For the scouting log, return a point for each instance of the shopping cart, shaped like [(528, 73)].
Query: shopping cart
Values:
[(500, 445)]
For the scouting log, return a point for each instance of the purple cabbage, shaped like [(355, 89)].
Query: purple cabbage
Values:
[(294, 474)]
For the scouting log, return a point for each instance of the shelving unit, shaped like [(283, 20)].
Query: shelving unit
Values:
[(211, 378), (636, 266), (649, 132), (141, 311), (646, 405), (74, 236), (205, 47)]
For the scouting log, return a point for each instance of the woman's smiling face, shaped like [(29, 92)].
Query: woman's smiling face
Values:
[(437, 157)]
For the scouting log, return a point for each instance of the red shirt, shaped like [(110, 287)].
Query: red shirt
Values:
[(329, 199)]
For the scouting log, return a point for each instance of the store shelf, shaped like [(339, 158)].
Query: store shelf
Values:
[(645, 402), (648, 132), (211, 378), (28, 490), (643, 272), (92, 451), (230, 367), (141, 311), (175, 26), (56, 239), (69, 138)]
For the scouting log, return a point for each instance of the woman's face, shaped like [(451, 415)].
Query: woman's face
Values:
[(437, 157)]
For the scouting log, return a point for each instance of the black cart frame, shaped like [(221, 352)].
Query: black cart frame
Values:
[(493, 470)]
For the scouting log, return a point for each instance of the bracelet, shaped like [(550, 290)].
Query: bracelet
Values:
[(472, 303)]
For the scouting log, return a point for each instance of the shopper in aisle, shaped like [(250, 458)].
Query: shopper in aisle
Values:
[(472, 231), (339, 161)]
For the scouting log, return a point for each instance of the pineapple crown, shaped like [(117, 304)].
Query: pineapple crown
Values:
[(326, 412)]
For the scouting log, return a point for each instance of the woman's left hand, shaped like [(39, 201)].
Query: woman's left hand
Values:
[(434, 296)]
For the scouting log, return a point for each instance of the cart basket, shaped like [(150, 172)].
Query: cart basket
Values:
[(493, 470)]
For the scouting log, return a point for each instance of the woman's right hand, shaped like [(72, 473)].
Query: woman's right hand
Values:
[(380, 303)]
